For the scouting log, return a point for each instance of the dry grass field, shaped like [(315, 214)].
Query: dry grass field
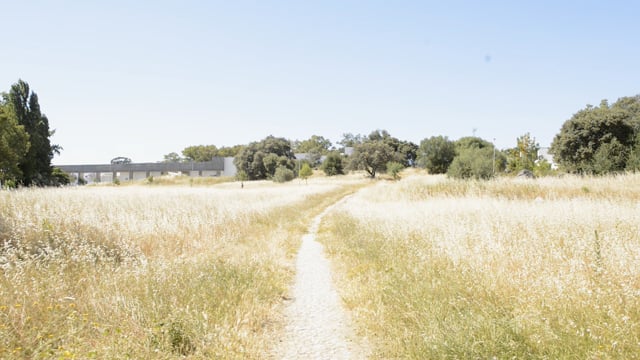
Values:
[(148, 271), (429, 267), (433, 268)]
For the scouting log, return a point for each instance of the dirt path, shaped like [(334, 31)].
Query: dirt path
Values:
[(317, 326)]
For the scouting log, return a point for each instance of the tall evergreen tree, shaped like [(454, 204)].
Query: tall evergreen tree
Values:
[(14, 143), (36, 165)]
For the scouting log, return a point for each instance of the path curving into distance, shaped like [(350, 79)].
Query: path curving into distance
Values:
[(317, 325)]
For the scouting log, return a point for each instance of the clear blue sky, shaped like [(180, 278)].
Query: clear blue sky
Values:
[(145, 78)]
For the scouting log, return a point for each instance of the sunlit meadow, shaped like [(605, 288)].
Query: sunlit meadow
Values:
[(149, 271), (435, 268)]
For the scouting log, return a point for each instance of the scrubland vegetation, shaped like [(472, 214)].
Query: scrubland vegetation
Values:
[(436, 268), (150, 271)]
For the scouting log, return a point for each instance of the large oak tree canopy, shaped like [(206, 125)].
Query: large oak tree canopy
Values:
[(596, 135)]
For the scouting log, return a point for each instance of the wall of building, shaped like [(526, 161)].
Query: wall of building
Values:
[(229, 167)]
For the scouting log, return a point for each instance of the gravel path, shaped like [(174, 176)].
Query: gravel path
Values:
[(317, 326)]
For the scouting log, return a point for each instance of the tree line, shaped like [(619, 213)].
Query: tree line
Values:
[(595, 140)]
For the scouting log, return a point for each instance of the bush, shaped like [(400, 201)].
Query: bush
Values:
[(305, 172), (333, 164), (9, 184), (543, 168), (394, 168), (283, 174), (59, 177), (436, 154), (474, 163)]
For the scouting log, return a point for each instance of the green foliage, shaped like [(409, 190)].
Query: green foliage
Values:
[(610, 157), (200, 153), (476, 163), (314, 147), (351, 140), (116, 181), (283, 174), (172, 157), (524, 155), (405, 152), (8, 184), (633, 159), (35, 166), (260, 160), (230, 151), (242, 176), (371, 156), (333, 164), (378, 149), (394, 168), (305, 172), (14, 144), (543, 168), (436, 154), (576, 147), (469, 142), (59, 177)]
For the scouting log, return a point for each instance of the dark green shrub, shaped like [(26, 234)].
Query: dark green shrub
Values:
[(476, 163), (333, 164), (283, 174)]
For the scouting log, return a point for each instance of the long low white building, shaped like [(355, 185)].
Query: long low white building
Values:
[(218, 166)]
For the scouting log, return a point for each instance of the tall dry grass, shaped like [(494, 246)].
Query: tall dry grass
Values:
[(549, 268), (150, 271)]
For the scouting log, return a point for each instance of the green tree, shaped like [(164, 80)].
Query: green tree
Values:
[(372, 157), (305, 172), (333, 164), (405, 152), (14, 144), (314, 147), (436, 154), (200, 153), (259, 160), (576, 145), (172, 157), (36, 165), (351, 140), (524, 155)]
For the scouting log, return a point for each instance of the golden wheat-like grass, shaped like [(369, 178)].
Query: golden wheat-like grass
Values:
[(150, 271), (548, 268)]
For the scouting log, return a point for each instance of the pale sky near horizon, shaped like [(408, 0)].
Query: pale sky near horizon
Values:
[(142, 79)]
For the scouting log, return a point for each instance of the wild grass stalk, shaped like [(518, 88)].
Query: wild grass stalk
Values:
[(150, 271), (435, 268)]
